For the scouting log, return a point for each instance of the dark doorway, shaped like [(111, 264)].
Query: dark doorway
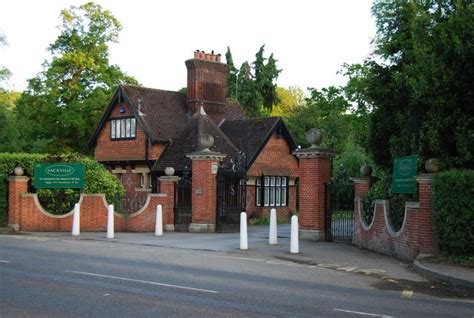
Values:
[(231, 194), (182, 204)]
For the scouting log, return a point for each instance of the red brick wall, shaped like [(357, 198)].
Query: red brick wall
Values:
[(275, 159), (416, 234), (16, 186), (115, 150), (93, 215), (314, 172), (283, 212), (204, 182)]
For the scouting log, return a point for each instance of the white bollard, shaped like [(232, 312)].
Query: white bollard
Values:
[(110, 222), (76, 220), (294, 243), (159, 221), (244, 245), (273, 236)]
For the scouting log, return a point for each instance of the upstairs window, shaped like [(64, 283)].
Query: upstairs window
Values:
[(123, 128)]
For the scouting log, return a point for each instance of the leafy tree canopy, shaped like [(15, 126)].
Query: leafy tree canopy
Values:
[(254, 85), (419, 81), (63, 103)]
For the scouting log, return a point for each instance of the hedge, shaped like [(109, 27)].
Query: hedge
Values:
[(59, 201), (453, 201), (8, 162)]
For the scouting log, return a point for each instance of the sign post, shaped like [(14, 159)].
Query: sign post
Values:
[(59, 176), (404, 173)]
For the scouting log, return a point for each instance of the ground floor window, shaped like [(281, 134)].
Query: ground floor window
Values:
[(271, 191)]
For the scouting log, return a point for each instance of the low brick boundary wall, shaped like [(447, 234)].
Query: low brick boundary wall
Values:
[(415, 237), (93, 208), (379, 235)]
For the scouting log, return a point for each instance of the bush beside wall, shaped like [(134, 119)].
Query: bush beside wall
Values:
[(97, 180), (8, 162), (454, 211)]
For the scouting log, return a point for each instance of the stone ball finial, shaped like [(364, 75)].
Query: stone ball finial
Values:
[(314, 137), (432, 165), (18, 171), (206, 141), (366, 170), (169, 171)]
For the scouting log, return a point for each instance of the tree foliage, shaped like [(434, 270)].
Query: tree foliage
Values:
[(288, 99), (419, 81), (63, 103), (254, 85)]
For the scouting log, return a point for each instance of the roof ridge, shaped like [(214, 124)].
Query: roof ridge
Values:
[(151, 89), (213, 124)]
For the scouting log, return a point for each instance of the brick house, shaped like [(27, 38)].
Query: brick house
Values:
[(143, 131)]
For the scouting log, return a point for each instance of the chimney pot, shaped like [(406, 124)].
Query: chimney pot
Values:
[(208, 56)]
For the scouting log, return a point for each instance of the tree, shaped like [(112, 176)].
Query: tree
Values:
[(231, 75), (419, 81), (254, 85), (63, 103), (288, 100)]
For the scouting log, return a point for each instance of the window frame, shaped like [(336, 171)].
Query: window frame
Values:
[(123, 128), (272, 191)]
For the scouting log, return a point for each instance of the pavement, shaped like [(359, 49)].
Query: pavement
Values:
[(333, 255)]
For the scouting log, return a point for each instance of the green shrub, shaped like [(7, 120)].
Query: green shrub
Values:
[(8, 162), (58, 201), (96, 180), (453, 200), (381, 191)]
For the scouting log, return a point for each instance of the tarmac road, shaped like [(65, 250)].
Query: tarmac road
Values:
[(56, 275)]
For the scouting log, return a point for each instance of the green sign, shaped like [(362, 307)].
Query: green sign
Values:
[(404, 172), (59, 175)]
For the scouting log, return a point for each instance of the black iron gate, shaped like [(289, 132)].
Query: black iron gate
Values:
[(182, 203), (339, 211), (231, 194)]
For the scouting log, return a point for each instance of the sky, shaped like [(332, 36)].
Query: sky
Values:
[(311, 39)]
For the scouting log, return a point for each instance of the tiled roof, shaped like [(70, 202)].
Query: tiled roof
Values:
[(186, 142), (165, 112), (249, 134)]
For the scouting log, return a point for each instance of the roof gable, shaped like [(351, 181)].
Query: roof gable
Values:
[(251, 135), (187, 141)]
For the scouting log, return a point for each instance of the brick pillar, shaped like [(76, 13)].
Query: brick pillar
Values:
[(16, 185), (426, 237), (204, 187), (167, 185), (315, 171), (361, 187)]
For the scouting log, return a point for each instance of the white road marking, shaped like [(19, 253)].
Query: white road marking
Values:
[(362, 313), (406, 293), (4, 261), (78, 242), (236, 257), (144, 282)]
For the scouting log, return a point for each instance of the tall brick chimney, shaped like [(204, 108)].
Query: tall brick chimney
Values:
[(207, 84)]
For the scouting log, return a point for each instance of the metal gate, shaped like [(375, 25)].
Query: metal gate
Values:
[(231, 194), (182, 203), (339, 211)]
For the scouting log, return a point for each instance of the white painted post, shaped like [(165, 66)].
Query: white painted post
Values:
[(159, 221), (294, 243), (273, 236), (76, 220), (243, 232), (110, 222)]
